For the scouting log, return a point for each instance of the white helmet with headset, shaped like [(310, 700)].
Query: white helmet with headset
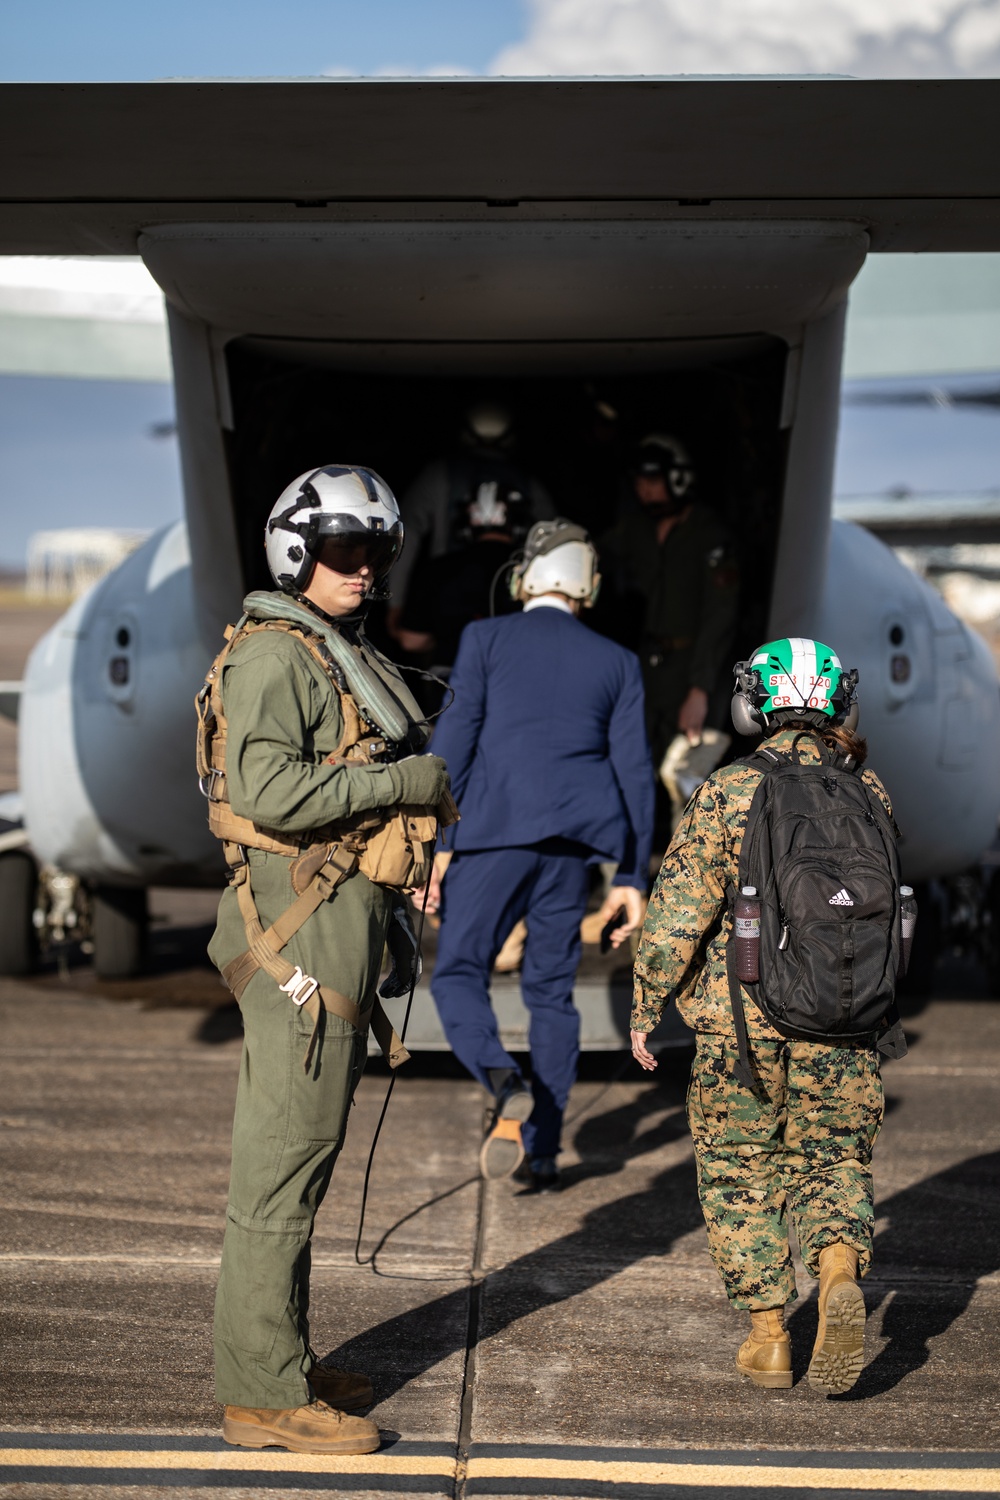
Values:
[(558, 558), (343, 514)]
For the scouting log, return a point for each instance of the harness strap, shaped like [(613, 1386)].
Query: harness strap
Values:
[(263, 952)]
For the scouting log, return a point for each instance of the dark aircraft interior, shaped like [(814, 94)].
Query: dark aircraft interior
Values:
[(574, 432)]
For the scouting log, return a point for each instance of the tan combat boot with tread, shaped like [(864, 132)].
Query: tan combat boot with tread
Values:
[(315, 1428), (347, 1390), (766, 1356), (839, 1352)]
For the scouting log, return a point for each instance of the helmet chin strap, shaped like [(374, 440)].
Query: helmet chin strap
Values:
[(356, 617)]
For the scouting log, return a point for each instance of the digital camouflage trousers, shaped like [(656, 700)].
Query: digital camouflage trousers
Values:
[(803, 1143)]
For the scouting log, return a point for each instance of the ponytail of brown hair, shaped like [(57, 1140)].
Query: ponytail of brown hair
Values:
[(844, 741)]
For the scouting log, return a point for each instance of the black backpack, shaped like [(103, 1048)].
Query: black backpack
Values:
[(820, 849)]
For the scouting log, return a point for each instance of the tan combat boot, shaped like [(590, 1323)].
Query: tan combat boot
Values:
[(839, 1351), (766, 1356), (316, 1428), (347, 1390)]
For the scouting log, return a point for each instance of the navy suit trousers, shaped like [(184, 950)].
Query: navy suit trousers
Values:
[(486, 892)]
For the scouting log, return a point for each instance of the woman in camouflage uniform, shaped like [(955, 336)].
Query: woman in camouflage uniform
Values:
[(804, 1138)]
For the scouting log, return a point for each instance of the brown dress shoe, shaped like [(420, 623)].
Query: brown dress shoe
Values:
[(316, 1428), (766, 1356), (347, 1390), (503, 1150), (839, 1352)]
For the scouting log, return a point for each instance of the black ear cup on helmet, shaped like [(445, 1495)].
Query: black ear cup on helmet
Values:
[(747, 717), (747, 720), (845, 700)]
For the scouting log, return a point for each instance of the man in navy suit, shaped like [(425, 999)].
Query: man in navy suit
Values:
[(546, 746)]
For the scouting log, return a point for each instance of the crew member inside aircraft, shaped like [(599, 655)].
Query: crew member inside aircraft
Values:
[(671, 559), (434, 508), (449, 592), (309, 744), (546, 746)]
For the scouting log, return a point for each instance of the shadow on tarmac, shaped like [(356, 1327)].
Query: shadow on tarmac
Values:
[(610, 1238), (949, 1222), (947, 1225)]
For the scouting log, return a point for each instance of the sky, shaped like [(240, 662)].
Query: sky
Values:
[(117, 40), (121, 40)]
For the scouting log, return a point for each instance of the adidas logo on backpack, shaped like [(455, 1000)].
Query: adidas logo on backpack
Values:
[(842, 898)]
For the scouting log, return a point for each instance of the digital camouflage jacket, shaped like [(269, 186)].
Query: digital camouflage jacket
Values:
[(682, 951)]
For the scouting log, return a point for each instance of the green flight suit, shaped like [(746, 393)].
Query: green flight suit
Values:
[(803, 1142), (689, 588), (284, 718)]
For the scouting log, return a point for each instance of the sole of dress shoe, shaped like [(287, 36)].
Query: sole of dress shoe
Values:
[(502, 1151), (251, 1435), (839, 1358)]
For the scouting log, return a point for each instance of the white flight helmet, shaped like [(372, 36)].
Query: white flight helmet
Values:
[(344, 512), (488, 421), (558, 558)]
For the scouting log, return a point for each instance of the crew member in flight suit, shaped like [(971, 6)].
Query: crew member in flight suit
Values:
[(309, 745), (435, 507), (546, 747), (674, 556)]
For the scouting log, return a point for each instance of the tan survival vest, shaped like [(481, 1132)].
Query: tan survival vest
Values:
[(394, 847)]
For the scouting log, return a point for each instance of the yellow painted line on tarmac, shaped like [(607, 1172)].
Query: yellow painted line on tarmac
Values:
[(267, 1460), (730, 1476), (737, 1476)]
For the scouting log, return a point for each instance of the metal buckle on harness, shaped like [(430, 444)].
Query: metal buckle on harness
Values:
[(300, 987), (213, 778)]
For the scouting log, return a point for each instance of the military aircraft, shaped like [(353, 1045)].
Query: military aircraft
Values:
[(344, 261)]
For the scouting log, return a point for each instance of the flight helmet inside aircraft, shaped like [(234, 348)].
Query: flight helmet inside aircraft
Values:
[(660, 456), (488, 423), (343, 515), (794, 681), (558, 558)]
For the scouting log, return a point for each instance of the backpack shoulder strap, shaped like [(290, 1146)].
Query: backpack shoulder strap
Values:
[(742, 1068), (764, 760)]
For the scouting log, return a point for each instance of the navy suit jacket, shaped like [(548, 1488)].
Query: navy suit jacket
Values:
[(546, 739)]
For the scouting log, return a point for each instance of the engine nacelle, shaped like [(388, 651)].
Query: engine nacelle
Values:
[(930, 703), (106, 741)]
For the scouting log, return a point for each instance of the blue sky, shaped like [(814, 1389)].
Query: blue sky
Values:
[(119, 40)]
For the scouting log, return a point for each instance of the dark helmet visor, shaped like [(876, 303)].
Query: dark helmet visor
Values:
[(349, 554), (346, 546)]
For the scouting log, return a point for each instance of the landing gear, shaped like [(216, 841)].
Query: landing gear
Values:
[(18, 897), (120, 926)]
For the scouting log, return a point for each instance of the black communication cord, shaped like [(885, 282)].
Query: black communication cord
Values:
[(507, 567), (429, 676), (369, 1260)]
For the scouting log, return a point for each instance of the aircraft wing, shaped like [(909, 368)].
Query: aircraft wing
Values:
[(911, 161)]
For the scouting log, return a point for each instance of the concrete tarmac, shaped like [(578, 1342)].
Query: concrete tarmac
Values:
[(571, 1344)]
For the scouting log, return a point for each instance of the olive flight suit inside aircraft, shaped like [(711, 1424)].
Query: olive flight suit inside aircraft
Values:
[(673, 557), (318, 734)]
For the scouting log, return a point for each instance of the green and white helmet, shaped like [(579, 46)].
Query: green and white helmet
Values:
[(794, 678)]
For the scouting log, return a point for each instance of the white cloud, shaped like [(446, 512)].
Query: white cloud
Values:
[(866, 38)]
